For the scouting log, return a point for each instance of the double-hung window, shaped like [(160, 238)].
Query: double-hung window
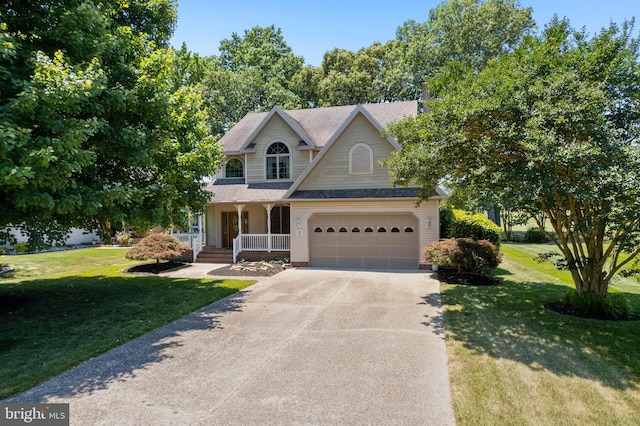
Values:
[(278, 161)]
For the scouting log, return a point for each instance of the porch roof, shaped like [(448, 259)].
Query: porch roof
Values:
[(235, 191), (356, 193)]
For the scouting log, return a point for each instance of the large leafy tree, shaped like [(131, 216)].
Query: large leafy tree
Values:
[(470, 32), (466, 32), (252, 73), (98, 125), (551, 128), (347, 78)]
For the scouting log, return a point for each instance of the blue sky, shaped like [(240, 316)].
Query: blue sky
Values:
[(314, 27)]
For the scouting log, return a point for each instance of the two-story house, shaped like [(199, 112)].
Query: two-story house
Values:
[(308, 185)]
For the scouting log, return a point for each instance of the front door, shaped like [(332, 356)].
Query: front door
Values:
[(230, 227)]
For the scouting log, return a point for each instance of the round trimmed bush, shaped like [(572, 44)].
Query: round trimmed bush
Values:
[(535, 236), (464, 253), (475, 226)]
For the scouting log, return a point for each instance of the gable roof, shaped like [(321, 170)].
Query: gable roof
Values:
[(357, 111), (316, 126)]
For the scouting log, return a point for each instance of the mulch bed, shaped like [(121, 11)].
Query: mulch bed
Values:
[(248, 269), (467, 278), (155, 268), (564, 309)]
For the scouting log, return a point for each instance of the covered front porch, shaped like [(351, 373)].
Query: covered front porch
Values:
[(248, 229)]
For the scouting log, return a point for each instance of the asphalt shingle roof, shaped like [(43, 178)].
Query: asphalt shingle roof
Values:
[(236, 191), (355, 193), (317, 124)]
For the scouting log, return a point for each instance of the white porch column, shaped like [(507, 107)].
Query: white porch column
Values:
[(239, 207), (268, 207)]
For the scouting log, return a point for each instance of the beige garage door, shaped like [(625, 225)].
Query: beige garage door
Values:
[(389, 241)]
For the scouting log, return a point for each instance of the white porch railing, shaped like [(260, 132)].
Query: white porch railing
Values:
[(237, 247), (261, 242), (193, 240)]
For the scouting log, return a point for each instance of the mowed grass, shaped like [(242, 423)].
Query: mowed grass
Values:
[(59, 309), (512, 362)]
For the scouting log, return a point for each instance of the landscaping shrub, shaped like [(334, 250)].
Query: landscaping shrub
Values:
[(464, 254), (157, 246), (613, 305), (446, 221), (123, 238), (21, 248), (535, 236), (475, 226)]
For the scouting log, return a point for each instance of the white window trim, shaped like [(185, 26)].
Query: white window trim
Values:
[(290, 155), (236, 177), (353, 148)]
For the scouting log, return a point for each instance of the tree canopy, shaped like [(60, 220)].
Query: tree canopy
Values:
[(253, 73), (258, 69), (551, 127), (97, 124)]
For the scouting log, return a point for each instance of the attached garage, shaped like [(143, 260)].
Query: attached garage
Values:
[(364, 240)]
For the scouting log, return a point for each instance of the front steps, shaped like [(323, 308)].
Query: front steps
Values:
[(225, 255), (215, 255)]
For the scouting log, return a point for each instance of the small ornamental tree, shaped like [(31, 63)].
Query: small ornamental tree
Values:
[(157, 246)]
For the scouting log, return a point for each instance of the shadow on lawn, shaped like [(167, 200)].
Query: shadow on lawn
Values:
[(510, 322), (121, 363)]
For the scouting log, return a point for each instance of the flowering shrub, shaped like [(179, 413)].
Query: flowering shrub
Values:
[(157, 246), (464, 253)]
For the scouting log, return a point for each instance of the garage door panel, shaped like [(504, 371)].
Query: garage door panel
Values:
[(388, 244)]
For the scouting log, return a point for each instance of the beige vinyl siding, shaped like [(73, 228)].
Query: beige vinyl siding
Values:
[(277, 130), (257, 220), (303, 210), (333, 171)]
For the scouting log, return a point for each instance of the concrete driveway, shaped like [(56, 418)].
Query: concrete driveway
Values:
[(307, 346)]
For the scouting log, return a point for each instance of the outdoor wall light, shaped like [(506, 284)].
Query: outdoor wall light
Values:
[(428, 222), (299, 222)]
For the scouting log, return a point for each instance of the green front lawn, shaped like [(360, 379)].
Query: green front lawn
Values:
[(59, 309), (512, 362)]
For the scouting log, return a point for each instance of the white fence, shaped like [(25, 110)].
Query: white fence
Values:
[(261, 242)]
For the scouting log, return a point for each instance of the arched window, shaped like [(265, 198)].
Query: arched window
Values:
[(382, 229), (343, 229), (408, 229), (318, 229), (356, 229), (234, 169), (395, 229), (360, 160), (330, 229), (278, 161), (368, 229)]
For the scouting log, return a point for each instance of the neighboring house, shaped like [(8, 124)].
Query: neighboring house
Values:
[(308, 185), (76, 236)]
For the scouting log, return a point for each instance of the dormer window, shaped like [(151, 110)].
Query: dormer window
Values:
[(278, 161), (234, 169)]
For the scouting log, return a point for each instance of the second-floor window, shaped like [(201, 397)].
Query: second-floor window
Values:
[(278, 161), (233, 169)]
